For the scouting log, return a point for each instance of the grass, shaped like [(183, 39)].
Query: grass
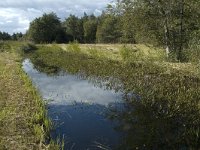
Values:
[(167, 114), (169, 93), (113, 51), (23, 120), (136, 52)]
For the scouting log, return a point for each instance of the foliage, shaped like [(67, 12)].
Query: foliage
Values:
[(4, 46), (90, 29), (108, 31), (22, 110), (74, 46), (4, 36), (74, 27), (27, 48), (168, 24), (17, 36), (127, 53), (164, 114), (193, 54), (145, 53), (46, 29)]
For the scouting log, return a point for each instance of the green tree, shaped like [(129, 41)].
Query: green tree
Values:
[(90, 29), (127, 22), (5, 36), (46, 29), (108, 29), (74, 27), (16, 36), (169, 23)]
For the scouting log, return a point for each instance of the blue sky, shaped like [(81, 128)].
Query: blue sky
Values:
[(15, 15)]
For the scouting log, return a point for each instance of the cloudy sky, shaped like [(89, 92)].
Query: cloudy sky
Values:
[(15, 15)]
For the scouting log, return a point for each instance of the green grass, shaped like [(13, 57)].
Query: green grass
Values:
[(132, 53), (169, 92), (23, 120), (167, 113), (138, 52)]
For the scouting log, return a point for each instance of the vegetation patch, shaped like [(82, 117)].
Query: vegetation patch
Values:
[(166, 95), (28, 47), (23, 120)]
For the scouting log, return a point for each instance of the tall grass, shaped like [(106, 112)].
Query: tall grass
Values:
[(74, 46), (166, 95), (146, 53), (23, 116)]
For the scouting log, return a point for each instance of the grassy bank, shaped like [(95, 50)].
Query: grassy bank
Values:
[(167, 112), (132, 53), (23, 120)]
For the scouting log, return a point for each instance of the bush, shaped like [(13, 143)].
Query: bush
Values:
[(27, 48), (127, 53), (95, 52), (4, 46), (193, 52), (74, 47)]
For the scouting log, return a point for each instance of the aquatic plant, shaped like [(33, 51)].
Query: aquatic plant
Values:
[(166, 95)]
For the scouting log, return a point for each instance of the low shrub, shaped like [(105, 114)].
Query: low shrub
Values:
[(4, 46), (128, 53), (29, 47), (74, 46)]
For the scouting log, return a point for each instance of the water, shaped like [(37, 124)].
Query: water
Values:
[(78, 109), (80, 103)]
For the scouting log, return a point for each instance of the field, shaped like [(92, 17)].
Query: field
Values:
[(168, 92)]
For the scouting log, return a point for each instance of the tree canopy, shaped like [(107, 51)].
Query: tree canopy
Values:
[(46, 29), (170, 24)]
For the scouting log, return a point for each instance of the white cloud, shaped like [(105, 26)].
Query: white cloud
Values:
[(15, 15)]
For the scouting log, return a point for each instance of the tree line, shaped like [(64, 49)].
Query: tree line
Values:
[(172, 24), (6, 36)]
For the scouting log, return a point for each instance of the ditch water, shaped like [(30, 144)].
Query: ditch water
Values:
[(78, 109), (89, 113)]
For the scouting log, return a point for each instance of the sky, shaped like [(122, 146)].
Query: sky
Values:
[(15, 15)]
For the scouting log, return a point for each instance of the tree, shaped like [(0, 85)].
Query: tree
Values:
[(90, 29), (16, 36), (108, 31), (167, 23), (74, 27), (4, 36), (127, 22), (46, 29)]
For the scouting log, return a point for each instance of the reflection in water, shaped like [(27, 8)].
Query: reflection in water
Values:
[(153, 121), (66, 88), (78, 108), (84, 125)]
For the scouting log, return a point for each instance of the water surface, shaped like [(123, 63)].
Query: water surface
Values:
[(78, 108)]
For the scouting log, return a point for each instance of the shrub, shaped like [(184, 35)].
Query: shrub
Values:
[(74, 47), (4, 46), (194, 48), (127, 53), (29, 47), (95, 53)]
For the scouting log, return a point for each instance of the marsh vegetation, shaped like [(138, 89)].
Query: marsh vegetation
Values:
[(148, 52), (161, 99)]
